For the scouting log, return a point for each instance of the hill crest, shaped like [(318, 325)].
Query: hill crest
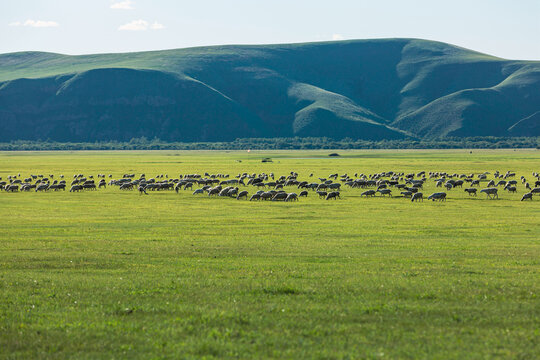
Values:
[(365, 89)]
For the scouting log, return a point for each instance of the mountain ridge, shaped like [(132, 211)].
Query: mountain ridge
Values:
[(365, 89)]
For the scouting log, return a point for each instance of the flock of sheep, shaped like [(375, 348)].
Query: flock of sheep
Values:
[(271, 187)]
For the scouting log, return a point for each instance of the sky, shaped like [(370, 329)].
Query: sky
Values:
[(504, 28)]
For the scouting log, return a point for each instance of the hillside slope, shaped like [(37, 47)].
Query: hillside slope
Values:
[(364, 89)]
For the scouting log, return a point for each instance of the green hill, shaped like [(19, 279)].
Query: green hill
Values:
[(363, 89)]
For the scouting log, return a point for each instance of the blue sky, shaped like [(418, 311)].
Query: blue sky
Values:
[(509, 29)]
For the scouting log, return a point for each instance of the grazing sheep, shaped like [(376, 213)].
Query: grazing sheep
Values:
[(333, 195), (441, 196), (42, 187), (417, 197), (90, 186), (255, 197), (291, 197), (303, 193), (511, 189), (407, 193), (321, 187), (57, 187), (322, 194), (368, 193), (75, 188), (267, 195), (198, 191), (491, 193), (242, 194), (334, 186), (385, 192), (279, 196), (126, 186), (526, 196), (471, 191), (142, 189), (12, 188)]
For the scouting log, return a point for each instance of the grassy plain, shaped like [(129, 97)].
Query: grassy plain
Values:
[(111, 274)]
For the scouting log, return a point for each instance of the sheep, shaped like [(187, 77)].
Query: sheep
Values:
[(368, 193), (490, 192), (385, 192), (291, 197), (526, 196), (76, 188), (303, 193), (42, 187), (214, 191), (334, 186), (126, 186), (279, 196), (417, 197), (441, 196), (471, 191), (57, 187), (242, 194), (12, 188), (407, 193), (322, 187), (198, 191), (90, 186), (333, 195)]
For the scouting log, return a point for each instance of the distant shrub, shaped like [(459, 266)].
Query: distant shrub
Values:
[(299, 143)]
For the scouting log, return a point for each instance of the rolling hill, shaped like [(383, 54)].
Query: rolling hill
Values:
[(362, 89)]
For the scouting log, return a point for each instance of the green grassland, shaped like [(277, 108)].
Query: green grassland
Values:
[(112, 274)]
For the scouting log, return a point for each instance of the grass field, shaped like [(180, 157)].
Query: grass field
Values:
[(111, 274)]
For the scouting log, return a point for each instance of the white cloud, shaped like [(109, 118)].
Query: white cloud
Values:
[(141, 25), (157, 26), (135, 25), (35, 23), (337, 37), (123, 5)]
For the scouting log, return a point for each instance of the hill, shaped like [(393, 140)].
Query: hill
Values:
[(363, 89)]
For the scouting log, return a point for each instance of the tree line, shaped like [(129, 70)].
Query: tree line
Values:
[(293, 143)]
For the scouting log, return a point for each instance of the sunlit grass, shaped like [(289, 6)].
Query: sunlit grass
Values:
[(111, 274)]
